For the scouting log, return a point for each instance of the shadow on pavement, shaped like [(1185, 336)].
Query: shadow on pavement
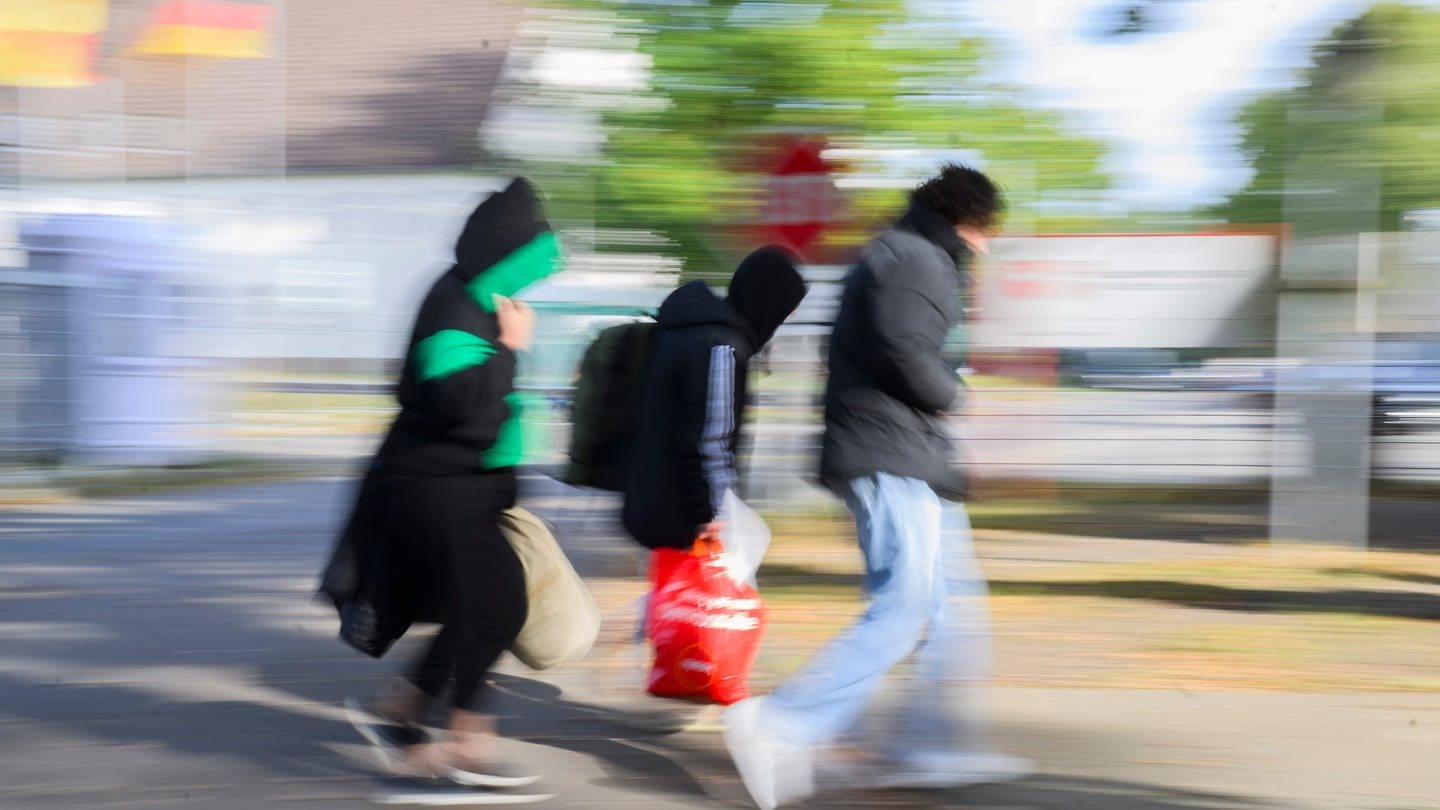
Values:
[(1051, 792), (212, 592), (1397, 604), (1396, 523), (1397, 576)]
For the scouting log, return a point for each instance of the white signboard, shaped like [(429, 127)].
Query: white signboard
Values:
[(1125, 291)]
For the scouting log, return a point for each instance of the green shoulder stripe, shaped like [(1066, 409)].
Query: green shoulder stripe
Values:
[(536, 259), (449, 351)]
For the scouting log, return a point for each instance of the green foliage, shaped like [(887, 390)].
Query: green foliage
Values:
[(864, 73), (1354, 147)]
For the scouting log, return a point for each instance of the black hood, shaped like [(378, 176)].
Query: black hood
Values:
[(766, 289), (506, 244), (696, 304), (926, 221)]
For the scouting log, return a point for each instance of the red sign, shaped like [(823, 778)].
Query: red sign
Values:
[(801, 198)]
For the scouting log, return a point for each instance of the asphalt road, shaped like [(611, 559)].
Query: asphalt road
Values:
[(163, 652)]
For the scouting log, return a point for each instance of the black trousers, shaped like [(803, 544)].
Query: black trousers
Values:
[(445, 535)]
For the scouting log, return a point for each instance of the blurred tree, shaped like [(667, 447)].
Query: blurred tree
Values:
[(1369, 106), (874, 75)]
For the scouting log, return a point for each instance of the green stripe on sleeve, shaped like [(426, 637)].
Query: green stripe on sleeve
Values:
[(449, 351), (536, 259), (509, 446)]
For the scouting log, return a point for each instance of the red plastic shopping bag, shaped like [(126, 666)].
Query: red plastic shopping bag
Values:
[(703, 624)]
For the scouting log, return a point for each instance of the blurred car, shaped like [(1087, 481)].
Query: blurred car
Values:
[(1406, 386), (1403, 380), (1125, 369)]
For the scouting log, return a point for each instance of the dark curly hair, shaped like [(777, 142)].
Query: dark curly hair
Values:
[(963, 196)]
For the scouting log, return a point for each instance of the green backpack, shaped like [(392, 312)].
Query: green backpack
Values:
[(607, 398)]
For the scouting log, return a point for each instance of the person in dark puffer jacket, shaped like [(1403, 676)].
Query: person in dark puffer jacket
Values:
[(887, 452)]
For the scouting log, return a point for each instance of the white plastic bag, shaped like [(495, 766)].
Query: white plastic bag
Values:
[(745, 538)]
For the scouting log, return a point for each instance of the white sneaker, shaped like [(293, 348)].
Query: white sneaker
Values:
[(794, 774), (952, 769), (753, 757), (774, 773)]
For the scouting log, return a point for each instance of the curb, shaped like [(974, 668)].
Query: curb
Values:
[(68, 486)]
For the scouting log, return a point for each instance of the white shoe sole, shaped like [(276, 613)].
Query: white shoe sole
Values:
[(472, 779), (457, 797)]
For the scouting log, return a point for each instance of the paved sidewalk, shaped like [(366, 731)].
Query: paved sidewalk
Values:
[(162, 652)]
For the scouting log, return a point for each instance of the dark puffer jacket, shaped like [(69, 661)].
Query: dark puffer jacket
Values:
[(889, 385)]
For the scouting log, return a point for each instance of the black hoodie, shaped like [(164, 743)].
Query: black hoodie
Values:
[(457, 415), (458, 411), (693, 402)]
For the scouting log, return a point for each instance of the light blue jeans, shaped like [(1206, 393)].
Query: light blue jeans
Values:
[(926, 596)]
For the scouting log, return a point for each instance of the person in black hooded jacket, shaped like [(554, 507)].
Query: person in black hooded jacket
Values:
[(426, 525), (693, 401)]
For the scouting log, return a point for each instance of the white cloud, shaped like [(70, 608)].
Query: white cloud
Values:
[(612, 71), (1164, 101)]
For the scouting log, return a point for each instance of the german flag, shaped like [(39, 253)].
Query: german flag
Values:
[(50, 43), (216, 29)]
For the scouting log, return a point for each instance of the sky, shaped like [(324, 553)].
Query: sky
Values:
[(1164, 101)]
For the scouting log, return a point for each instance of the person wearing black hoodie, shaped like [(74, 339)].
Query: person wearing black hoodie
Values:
[(694, 396), (426, 525)]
